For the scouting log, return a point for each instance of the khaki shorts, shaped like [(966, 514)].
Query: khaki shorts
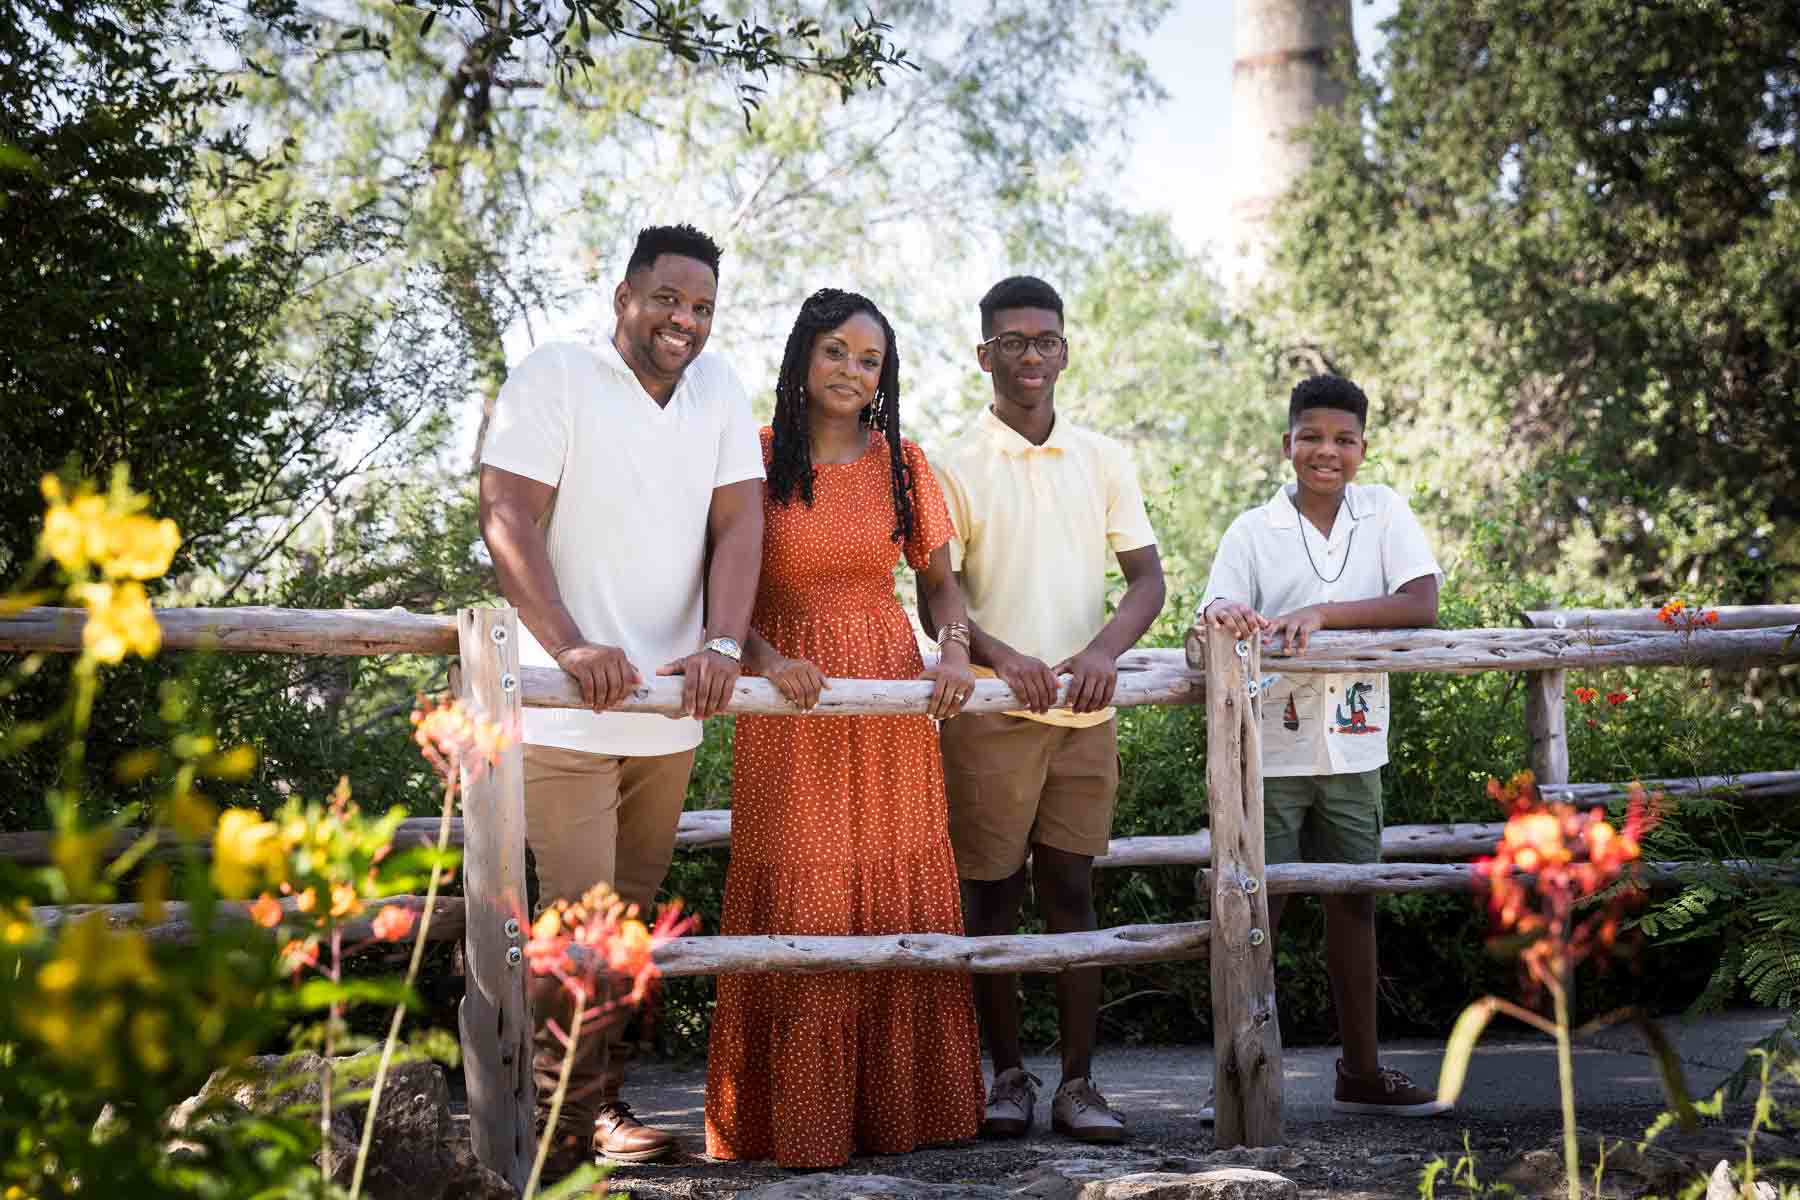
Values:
[(1323, 818), (596, 818), (1014, 783)]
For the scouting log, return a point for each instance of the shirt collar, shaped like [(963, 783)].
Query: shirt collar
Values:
[(1010, 441), (610, 356), (1283, 515)]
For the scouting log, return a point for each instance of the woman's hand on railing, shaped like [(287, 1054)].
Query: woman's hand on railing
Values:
[(955, 682)]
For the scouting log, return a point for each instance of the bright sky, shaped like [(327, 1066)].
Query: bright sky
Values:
[(1181, 162)]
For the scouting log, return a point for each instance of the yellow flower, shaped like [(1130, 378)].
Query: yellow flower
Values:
[(17, 927), (235, 763), (246, 853), (149, 1032), (120, 621), (343, 901), (307, 901), (138, 547)]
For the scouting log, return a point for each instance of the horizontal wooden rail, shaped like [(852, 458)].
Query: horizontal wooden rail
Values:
[(253, 630), (1752, 616), (447, 921), (710, 829), (944, 952), (936, 951), (1466, 651)]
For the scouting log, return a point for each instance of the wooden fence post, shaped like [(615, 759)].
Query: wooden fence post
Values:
[(1246, 1030), (1546, 724), (495, 1016)]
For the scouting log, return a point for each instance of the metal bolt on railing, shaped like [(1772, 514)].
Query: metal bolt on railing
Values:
[(1258, 937), (509, 682), (498, 634), (512, 927), (514, 956), (1252, 886)]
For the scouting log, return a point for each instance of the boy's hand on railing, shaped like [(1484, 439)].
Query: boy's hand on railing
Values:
[(799, 680), (1093, 677), (1031, 681), (1294, 628), (707, 680), (955, 682), (605, 675), (1240, 619)]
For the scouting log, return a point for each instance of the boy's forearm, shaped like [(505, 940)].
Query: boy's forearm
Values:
[(1398, 611), (986, 650)]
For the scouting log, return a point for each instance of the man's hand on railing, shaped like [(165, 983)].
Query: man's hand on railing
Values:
[(1239, 618), (1030, 679), (707, 678), (605, 675), (1294, 628), (1093, 678)]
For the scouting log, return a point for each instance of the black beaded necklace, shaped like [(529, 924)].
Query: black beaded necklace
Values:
[(1343, 503)]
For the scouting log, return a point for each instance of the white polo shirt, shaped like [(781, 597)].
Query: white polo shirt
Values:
[(627, 532), (1276, 561)]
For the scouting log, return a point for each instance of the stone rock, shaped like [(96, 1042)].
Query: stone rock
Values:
[(1220, 1183), (871, 1187), (411, 1154), (1723, 1185)]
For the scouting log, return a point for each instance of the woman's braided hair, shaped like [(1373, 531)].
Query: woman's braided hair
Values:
[(790, 469)]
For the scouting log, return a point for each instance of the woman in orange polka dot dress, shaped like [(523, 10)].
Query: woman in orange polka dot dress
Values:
[(839, 824)]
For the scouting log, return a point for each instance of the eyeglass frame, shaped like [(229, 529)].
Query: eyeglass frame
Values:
[(1030, 340)]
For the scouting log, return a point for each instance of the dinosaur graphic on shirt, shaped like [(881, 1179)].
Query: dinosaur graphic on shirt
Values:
[(1353, 714)]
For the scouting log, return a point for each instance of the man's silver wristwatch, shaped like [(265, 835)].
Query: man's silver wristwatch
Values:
[(726, 646)]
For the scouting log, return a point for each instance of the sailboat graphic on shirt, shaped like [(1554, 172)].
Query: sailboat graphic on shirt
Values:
[(1290, 716)]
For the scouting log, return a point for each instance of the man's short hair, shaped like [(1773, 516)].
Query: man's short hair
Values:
[(1328, 391), (657, 240), (1018, 291)]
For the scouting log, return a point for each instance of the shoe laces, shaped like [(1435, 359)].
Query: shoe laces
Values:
[(618, 1110), (1393, 1081), (1009, 1088), (1083, 1095)]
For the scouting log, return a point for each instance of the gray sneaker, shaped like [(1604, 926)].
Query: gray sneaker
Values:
[(1208, 1111), (1010, 1104), (1081, 1112)]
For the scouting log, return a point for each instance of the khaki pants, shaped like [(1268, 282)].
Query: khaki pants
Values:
[(595, 818)]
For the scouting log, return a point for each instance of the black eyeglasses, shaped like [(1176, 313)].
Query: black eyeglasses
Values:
[(1012, 345)]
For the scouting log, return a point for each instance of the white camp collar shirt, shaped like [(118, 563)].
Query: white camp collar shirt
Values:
[(1276, 561)]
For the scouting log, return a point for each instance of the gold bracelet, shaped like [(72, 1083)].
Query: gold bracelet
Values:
[(955, 631)]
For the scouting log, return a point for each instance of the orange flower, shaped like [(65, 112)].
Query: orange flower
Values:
[(298, 955), (1711, 616), (344, 901), (1670, 612), (1586, 695), (452, 736), (599, 934), (393, 923), (1550, 857), (266, 911)]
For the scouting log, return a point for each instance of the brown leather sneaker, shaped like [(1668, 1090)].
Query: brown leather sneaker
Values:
[(1081, 1112), (1387, 1093), (1010, 1104), (621, 1137)]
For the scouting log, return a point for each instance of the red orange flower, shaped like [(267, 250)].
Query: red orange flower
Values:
[(599, 948), (298, 955), (1676, 615), (451, 736), (266, 911), (1551, 858), (1617, 698), (393, 922), (1586, 695)]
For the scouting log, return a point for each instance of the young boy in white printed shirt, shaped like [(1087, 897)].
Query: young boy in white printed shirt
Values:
[(1325, 554)]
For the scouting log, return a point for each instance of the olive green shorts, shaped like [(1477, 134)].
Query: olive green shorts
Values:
[(1323, 818)]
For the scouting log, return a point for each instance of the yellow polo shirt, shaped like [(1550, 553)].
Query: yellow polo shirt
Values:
[(1036, 528)]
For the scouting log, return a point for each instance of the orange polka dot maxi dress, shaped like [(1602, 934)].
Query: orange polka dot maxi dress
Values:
[(839, 826)]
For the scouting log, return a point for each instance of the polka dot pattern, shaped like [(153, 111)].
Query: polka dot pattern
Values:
[(839, 826)]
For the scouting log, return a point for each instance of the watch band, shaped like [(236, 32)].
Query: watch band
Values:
[(727, 646)]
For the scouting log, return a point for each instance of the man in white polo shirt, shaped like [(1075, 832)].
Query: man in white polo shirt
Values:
[(1325, 553), (621, 500)]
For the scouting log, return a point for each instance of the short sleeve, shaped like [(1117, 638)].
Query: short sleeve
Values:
[(1405, 554), (956, 502), (1233, 574), (1127, 521), (529, 432), (740, 449), (931, 518)]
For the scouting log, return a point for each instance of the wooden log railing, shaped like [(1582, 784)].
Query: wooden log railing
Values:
[(494, 1020)]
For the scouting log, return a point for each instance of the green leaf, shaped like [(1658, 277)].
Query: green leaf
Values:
[(317, 994), (1461, 1046), (1668, 1071)]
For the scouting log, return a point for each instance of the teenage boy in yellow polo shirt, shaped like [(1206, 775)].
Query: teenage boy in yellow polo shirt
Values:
[(1038, 505)]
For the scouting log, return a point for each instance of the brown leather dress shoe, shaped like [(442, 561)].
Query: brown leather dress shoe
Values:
[(621, 1137)]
